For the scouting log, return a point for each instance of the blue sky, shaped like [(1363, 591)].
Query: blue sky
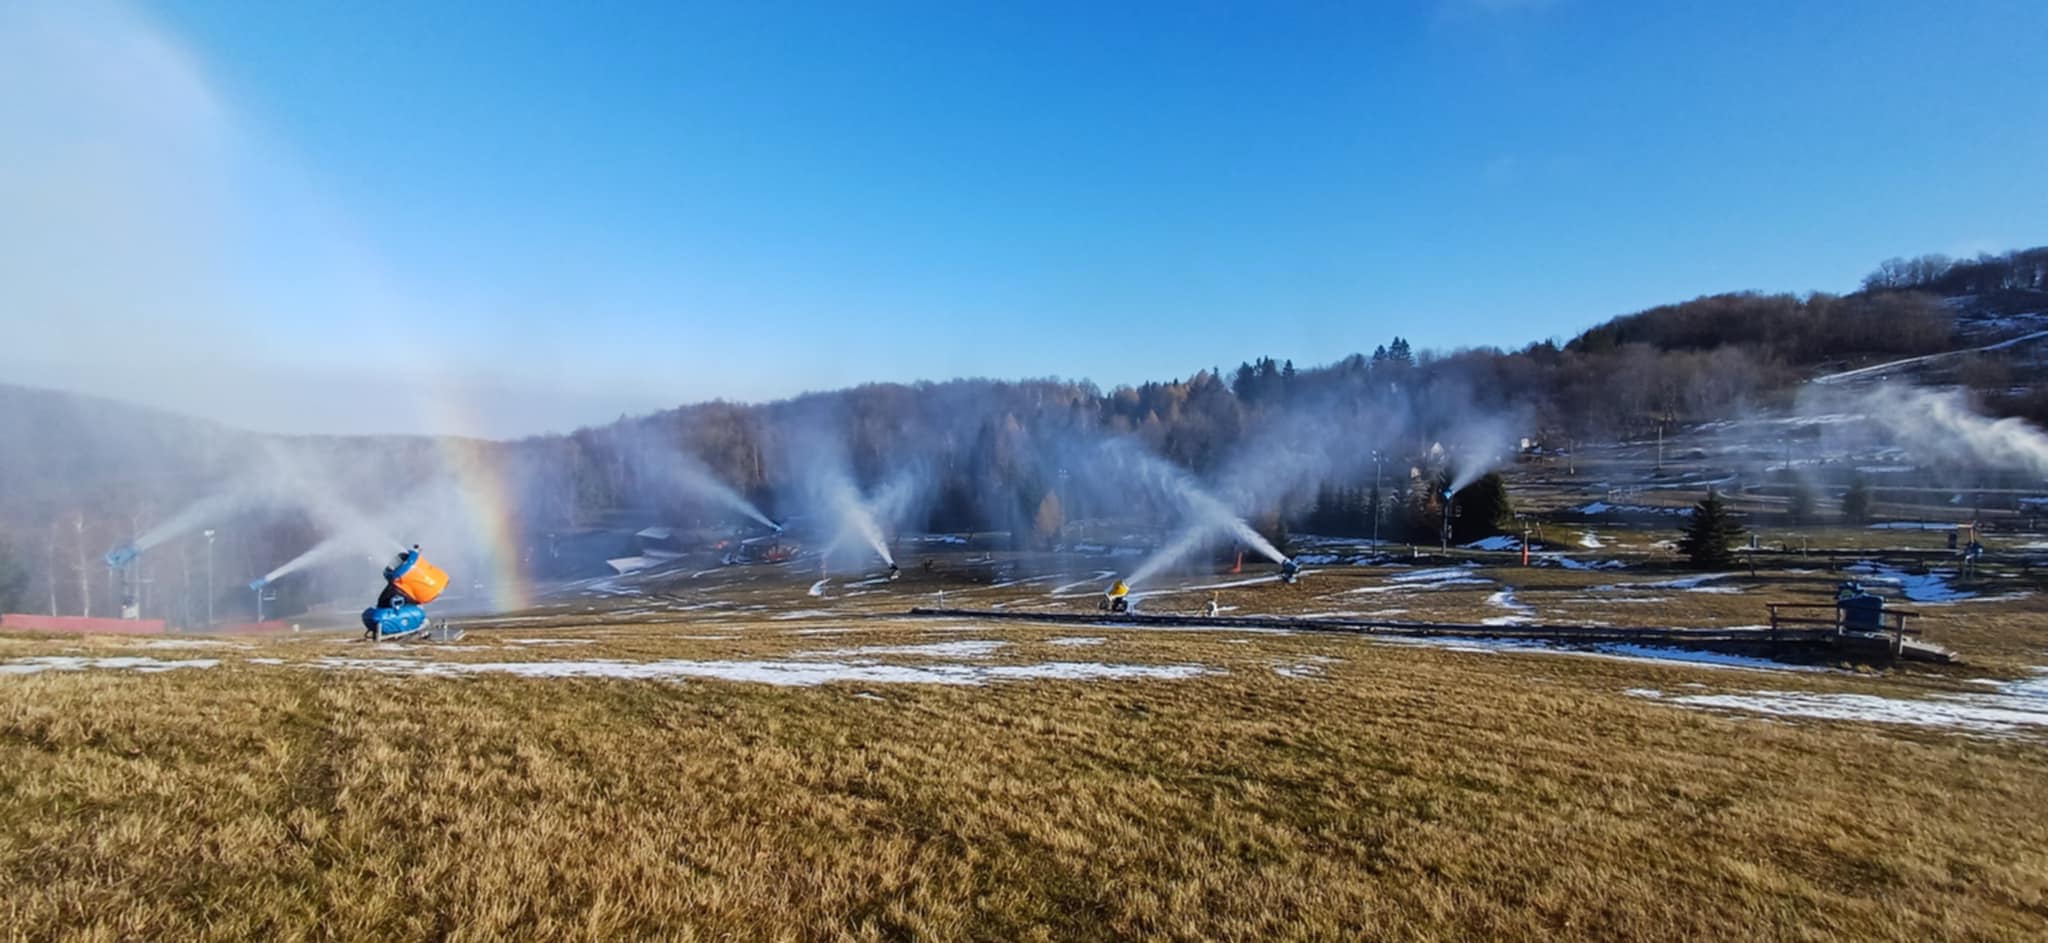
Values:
[(543, 215)]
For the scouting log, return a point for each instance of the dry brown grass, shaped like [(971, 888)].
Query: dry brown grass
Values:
[(1405, 793)]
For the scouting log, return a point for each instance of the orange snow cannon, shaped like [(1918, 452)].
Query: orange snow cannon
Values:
[(412, 575)]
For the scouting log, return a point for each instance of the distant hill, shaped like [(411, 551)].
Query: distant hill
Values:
[(992, 450)]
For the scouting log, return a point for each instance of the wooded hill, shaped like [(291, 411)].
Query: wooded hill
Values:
[(993, 449)]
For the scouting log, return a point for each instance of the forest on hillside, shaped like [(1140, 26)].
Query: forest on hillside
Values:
[(81, 475)]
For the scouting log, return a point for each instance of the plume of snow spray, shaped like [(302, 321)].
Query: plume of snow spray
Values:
[(194, 516), (362, 541), (673, 471), (853, 515), (1208, 517), (1941, 423)]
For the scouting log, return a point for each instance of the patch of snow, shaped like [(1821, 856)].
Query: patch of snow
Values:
[(28, 666), (1602, 507), (1205, 587), (794, 614), (1504, 598), (1496, 542), (1076, 641), (966, 648), (1095, 581), (1590, 540), (788, 673), (266, 661), (1430, 579), (1684, 582), (2021, 704), (1912, 525), (1929, 587), (187, 643), (1619, 651), (548, 641), (818, 588), (1571, 564)]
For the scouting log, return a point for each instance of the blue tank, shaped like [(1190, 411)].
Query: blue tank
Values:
[(387, 621), (1862, 612)]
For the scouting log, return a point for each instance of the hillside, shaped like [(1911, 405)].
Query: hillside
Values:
[(989, 453)]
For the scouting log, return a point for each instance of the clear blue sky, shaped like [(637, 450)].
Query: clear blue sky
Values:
[(555, 212)]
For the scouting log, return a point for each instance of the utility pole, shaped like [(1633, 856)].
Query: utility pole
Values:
[(84, 574), (50, 574), (185, 600), (209, 577), (1378, 497)]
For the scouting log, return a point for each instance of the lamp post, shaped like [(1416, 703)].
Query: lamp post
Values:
[(209, 577), (1378, 497)]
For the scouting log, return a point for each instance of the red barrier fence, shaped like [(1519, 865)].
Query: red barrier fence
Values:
[(22, 622)]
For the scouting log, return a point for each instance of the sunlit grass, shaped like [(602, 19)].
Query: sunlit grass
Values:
[(1383, 791)]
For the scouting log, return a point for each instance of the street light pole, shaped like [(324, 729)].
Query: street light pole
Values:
[(1378, 497), (209, 577)]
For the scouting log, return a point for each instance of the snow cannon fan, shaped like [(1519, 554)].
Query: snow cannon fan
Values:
[(1117, 598), (410, 581)]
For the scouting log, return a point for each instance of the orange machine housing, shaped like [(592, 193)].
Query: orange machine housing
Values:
[(422, 582)]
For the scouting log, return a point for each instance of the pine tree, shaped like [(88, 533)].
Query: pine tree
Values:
[(1480, 509), (1711, 534), (1856, 502), (1799, 504)]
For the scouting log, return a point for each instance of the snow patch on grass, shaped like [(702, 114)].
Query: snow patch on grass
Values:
[(2014, 707), (786, 673), (965, 648), (1504, 598), (29, 666)]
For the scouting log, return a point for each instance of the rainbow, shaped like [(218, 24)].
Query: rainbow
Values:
[(488, 503)]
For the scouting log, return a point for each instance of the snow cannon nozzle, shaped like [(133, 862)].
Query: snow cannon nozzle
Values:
[(1290, 570), (895, 572), (122, 555), (257, 584)]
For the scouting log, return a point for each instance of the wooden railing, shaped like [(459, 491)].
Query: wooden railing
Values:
[(1891, 622)]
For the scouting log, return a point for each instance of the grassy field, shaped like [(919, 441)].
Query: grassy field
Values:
[(1286, 786)]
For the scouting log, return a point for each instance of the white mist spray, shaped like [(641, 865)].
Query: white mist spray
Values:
[(1936, 424), (1207, 516), (853, 515)]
